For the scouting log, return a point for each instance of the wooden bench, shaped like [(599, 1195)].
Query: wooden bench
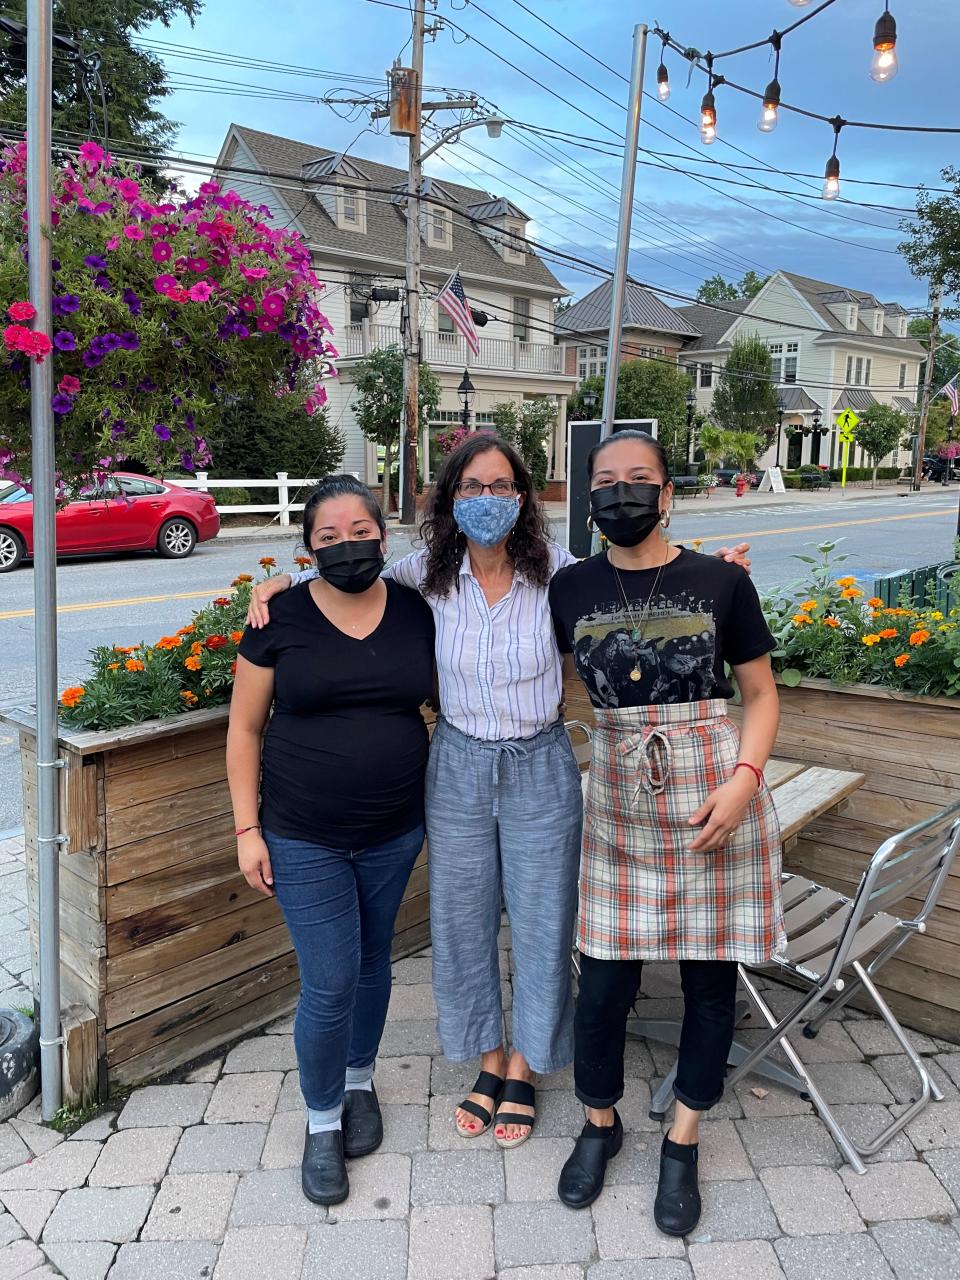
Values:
[(687, 486), (815, 480)]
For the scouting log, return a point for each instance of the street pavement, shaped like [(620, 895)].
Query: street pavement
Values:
[(128, 598), (198, 1174)]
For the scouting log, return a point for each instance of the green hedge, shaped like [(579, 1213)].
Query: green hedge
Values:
[(866, 473)]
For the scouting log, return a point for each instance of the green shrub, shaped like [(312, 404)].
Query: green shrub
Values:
[(865, 473), (237, 497)]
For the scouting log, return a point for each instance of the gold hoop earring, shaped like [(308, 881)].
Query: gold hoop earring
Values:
[(664, 519)]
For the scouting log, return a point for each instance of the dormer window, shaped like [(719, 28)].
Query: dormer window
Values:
[(351, 209), (852, 316), (878, 322), (513, 247), (438, 232)]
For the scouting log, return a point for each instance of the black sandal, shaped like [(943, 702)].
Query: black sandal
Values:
[(490, 1086), (522, 1092)]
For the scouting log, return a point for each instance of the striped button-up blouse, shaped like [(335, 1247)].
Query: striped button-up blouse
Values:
[(499, 666)]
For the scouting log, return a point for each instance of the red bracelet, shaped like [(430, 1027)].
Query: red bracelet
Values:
[(757, 773), (243, 830)]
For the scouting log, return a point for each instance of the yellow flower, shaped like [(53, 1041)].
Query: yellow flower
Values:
[(807, 606), (830, 621), (845, 582), (871, 640), (800, 619), (901, 659), (850, 593), (936, 616)]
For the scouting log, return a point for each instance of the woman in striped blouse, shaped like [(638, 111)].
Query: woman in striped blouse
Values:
[(503, 798)]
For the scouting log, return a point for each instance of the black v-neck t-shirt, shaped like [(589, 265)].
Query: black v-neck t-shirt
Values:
[(345, 753), (705, 613)]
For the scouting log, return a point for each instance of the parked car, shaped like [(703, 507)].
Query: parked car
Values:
[(122, 513), (935, 467)]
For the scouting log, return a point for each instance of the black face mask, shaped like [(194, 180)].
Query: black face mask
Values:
[(351, 566), (626, 513)]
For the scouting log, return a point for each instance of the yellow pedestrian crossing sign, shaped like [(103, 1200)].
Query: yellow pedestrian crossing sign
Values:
[(847, 423)]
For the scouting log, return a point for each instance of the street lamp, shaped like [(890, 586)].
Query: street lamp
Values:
[(691, 402), (589, 399), (466, 390), (781, 407)]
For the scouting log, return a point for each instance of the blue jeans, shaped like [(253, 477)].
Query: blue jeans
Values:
[(503, 816), (340, 907)]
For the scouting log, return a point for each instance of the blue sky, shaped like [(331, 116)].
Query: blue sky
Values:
[(684, 229)]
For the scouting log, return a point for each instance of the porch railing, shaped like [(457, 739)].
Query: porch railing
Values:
[(449, 349)]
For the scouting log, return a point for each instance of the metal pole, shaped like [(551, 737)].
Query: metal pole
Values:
[(410, 427), (39, 89), (936, 294), (631, 138)]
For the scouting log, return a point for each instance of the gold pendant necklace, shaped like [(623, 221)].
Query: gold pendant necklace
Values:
[(637, 631)]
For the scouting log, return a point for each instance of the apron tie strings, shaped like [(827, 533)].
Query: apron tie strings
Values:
[(655, 759)]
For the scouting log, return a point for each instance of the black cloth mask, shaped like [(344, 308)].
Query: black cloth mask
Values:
[(626, 513), (351, 566)]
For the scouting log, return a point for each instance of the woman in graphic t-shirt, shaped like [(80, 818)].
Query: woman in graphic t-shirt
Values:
[(329, 811), (681, 848)]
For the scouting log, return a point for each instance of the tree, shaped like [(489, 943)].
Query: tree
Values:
[(252, 441), (528, 428), (646, 389), (879, 432), (743, 447), (932, 246), (378, 407), (746, 396), (715, 443), (946, 358), (718, 289), (938, 425), (134, 80)]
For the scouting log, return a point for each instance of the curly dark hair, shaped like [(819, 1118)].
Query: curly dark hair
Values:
[(528, 544)]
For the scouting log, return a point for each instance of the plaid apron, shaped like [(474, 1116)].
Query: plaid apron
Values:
[(643, 894)]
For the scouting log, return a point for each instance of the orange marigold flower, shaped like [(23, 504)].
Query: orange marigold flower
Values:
[(196, 647), (70, 697), (919, 637), (800, 619), (133, 664), (125, 648), (887, 633), (241, 578), (187, 631), (192, 663), (169, 642), (222, 602), (875, 602), (807, 606), (236, 636), (216, 642), (850, 593), (305, 562), (830, 621), (267, 562), (845, 582), (113, 666), (901, 659), (189, 698), (871, 640)]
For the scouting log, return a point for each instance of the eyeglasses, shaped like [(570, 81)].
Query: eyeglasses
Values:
[(473, 488)]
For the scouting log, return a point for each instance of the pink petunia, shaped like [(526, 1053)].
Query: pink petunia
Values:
[(69, 385), (161, 251), (112, 243), (128, 189), (91, 156), (157, 229), (209, 188), (164, 284), (254, 273), (133, 232), (272, 305), (266, 325), (198, 264), (21, 311), (201, 291), (246, 303)]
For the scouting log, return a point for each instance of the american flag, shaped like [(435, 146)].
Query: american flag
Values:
[(950, 391), (454, 302)]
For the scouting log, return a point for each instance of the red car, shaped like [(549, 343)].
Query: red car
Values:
[(124, 513)]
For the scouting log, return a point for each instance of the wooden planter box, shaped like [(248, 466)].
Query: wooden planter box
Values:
[(908, 748), (161, 937)]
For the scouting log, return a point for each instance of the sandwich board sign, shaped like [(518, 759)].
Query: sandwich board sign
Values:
[(772, 481)]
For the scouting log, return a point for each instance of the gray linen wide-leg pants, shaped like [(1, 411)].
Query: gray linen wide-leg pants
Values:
[(503, 815)]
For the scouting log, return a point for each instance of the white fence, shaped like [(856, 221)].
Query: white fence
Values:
[(441, 349), (283, 484)]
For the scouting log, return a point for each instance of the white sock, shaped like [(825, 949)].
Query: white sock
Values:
[(317, 1122), (367, 1085)]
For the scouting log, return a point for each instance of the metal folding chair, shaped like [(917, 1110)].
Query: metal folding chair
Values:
[(829, 937)]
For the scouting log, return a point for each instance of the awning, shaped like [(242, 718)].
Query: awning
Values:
[(795, 400), (856, 398), (905, 405)]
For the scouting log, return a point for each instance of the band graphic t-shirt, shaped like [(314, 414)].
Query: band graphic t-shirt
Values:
[(345, 753), (705, 613)]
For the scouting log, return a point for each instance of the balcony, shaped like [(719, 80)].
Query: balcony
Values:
[(449, 350)]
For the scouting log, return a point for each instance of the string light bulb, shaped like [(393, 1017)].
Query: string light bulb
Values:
[(663, 75), (800, 4), (708, 118), (770, 110), (831, 174), (884, 65)]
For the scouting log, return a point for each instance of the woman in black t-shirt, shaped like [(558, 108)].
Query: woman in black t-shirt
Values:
[(650, 629), (329, 803)]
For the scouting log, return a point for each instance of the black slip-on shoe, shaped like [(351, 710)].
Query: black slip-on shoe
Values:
[(362, 1122), (581, 1179), (676, 1210), (323, 1172)]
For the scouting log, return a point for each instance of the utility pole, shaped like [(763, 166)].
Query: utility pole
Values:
[(49, 839), (628, 178), (410, 427), (936, 295)]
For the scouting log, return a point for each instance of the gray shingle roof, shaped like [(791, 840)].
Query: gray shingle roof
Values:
[(641, 310), (817, 293), (795, 400), (386, 222), (709, 322), (855, 398)]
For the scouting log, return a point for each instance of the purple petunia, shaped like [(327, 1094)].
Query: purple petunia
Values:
[(95, 262), (91, 359), (118, 430), (128, 341), (64, 341), (61, 404), (102, 282), (134, 305), (186, 461), (146, 385), (161, 431), (65, 304)]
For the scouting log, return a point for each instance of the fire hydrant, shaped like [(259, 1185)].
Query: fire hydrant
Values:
[(741, 485)]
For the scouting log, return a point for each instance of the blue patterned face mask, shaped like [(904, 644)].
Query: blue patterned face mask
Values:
[(486, 520)]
